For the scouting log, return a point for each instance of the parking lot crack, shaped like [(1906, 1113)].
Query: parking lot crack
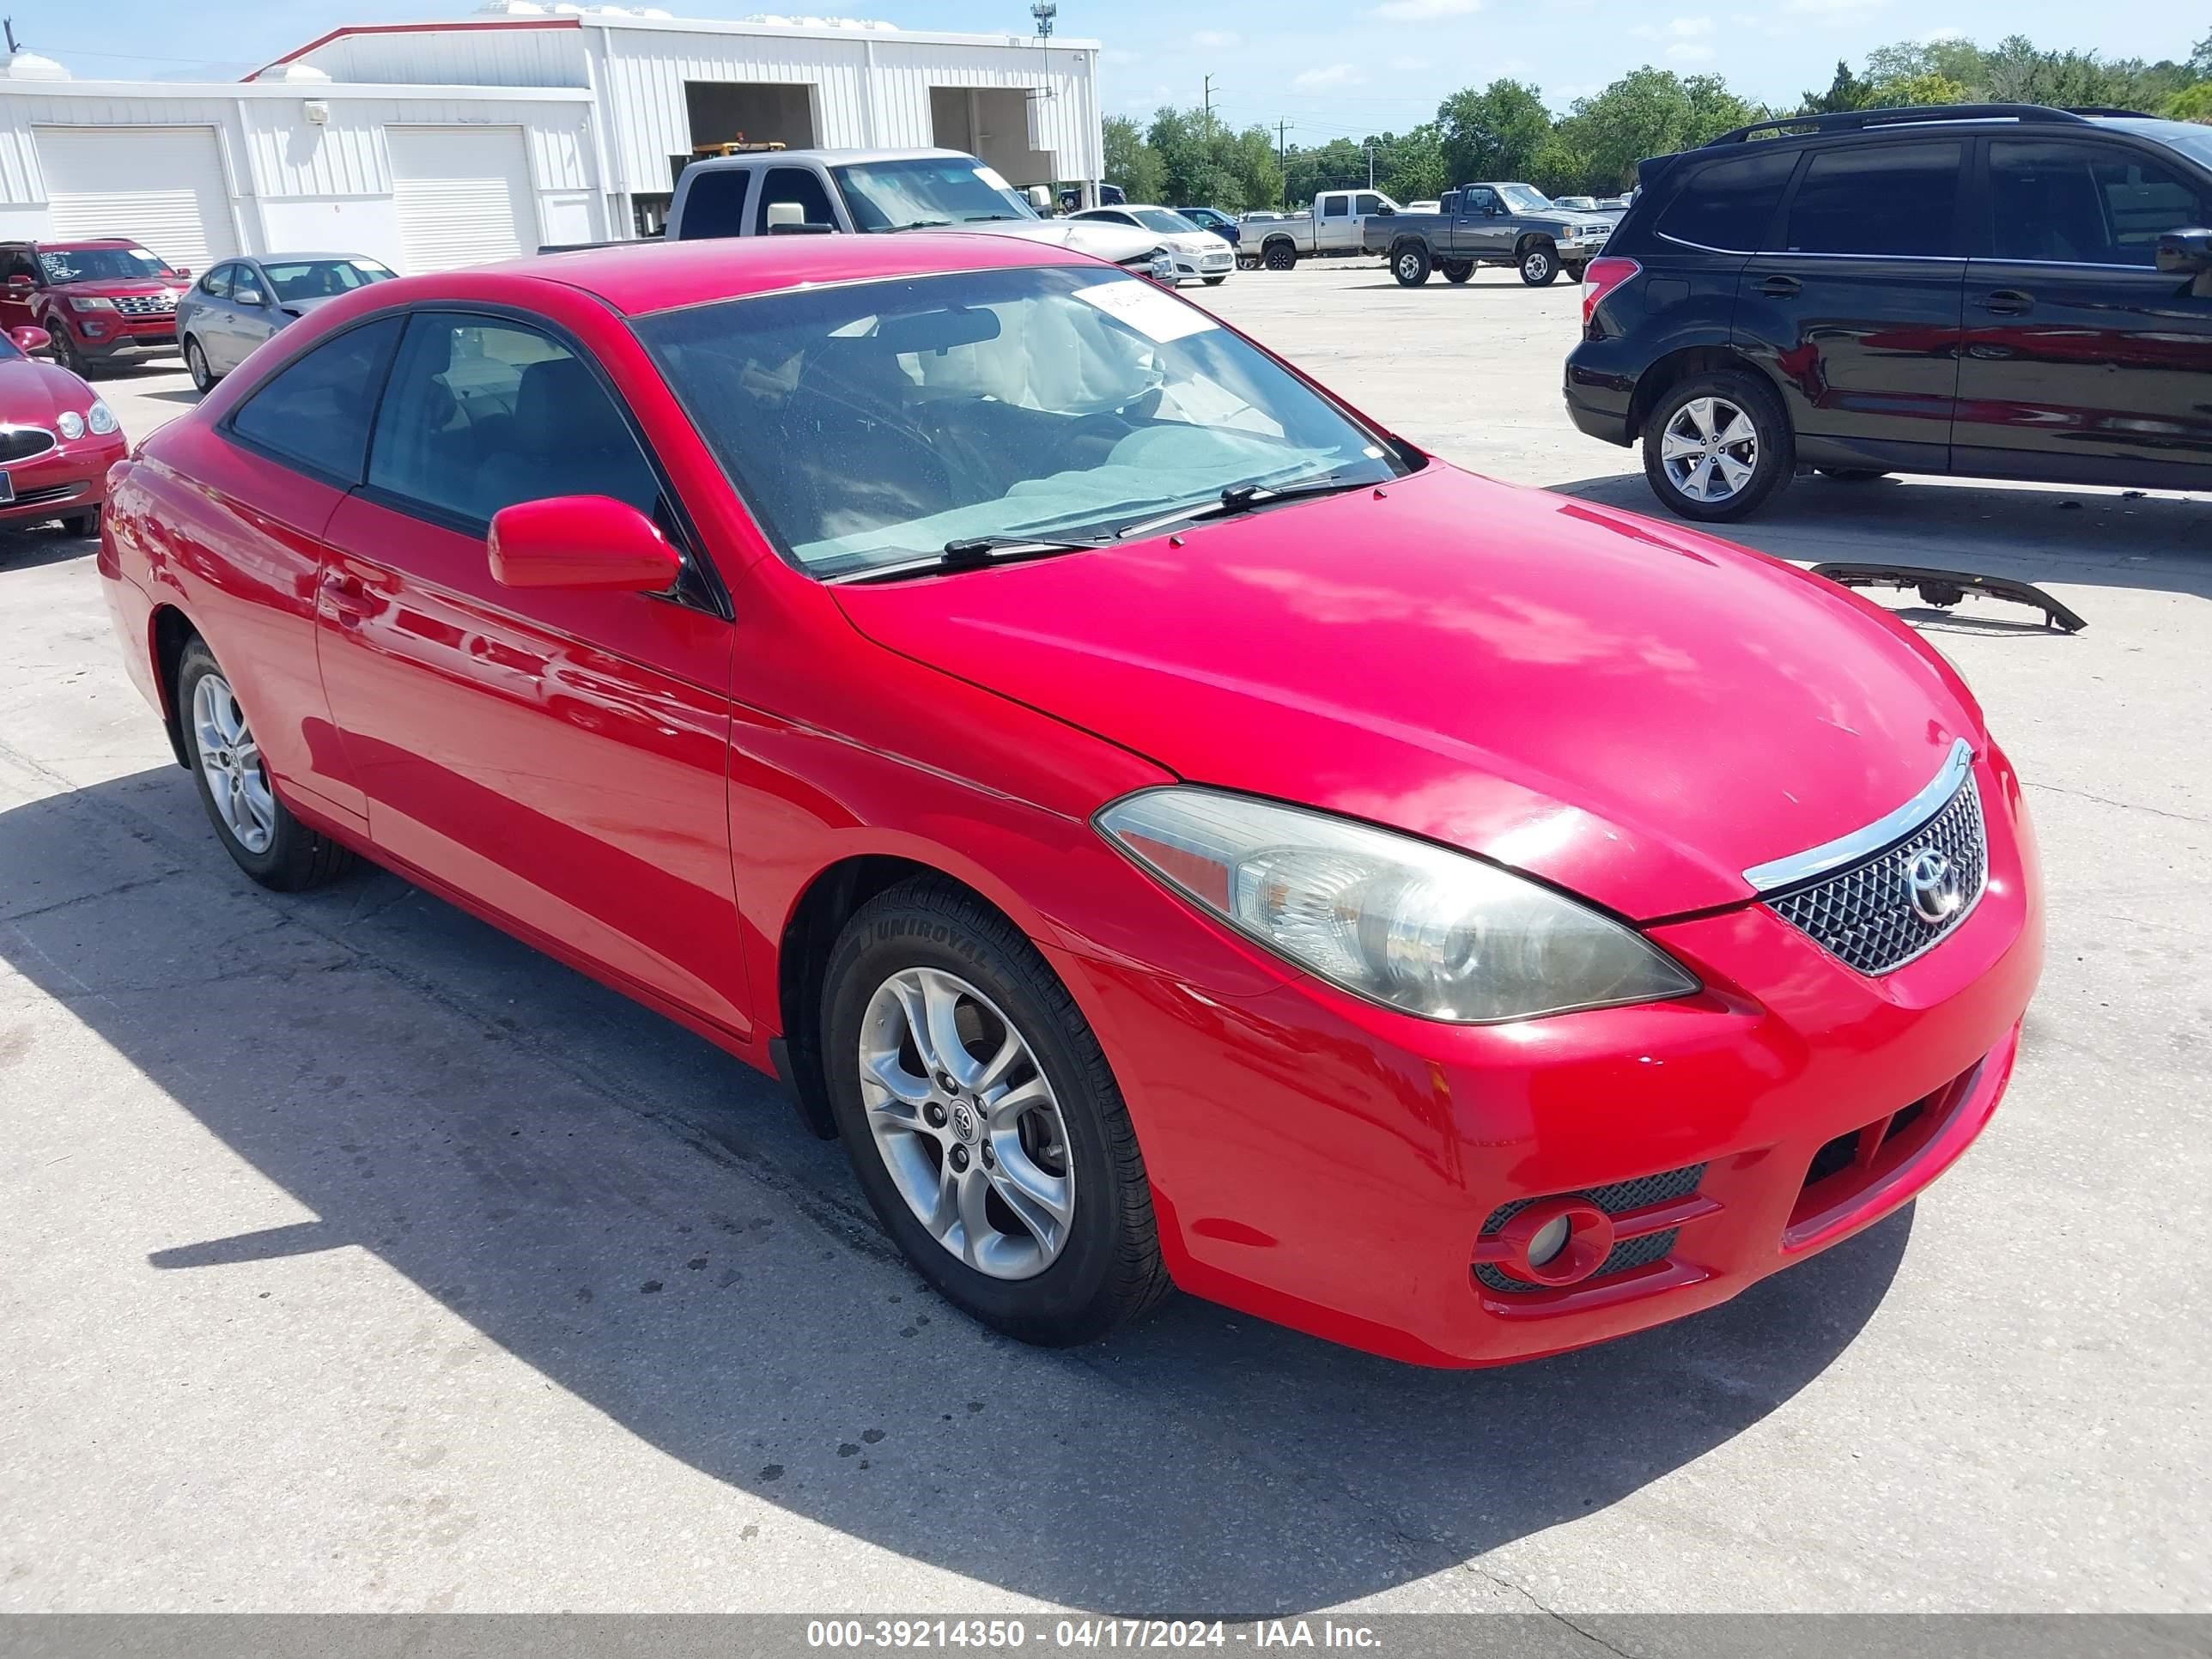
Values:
[(2123, 805)]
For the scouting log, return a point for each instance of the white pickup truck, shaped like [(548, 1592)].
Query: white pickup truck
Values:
[(1332, 228), (797, 191)]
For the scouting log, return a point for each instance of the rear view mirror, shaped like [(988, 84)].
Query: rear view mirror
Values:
[(588, 541), (936, 331), (1039, 198), (181, 274), (30, 340), (1387, 211), (2185, 252)]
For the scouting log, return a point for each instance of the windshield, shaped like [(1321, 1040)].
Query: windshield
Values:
[(1524, 198), (940, 190), (2190, 139), (79, 265), (1173, 224), (9, 352), (869, 424), (321, 279)]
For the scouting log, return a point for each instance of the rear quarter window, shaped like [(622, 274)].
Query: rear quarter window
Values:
[(1731, 204)]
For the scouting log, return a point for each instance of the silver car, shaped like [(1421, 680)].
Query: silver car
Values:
[(242, 302)]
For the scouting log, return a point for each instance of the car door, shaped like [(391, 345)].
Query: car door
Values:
[(197, 315), (1333, 229), (1476, 232), (1854, 308), (253, 316), (2083, 361), (556, 756), (214, 322)]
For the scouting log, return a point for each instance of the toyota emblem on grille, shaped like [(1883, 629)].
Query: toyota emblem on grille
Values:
[(1933, 883)]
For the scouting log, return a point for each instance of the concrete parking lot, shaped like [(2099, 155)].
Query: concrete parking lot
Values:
[(361, 1259)]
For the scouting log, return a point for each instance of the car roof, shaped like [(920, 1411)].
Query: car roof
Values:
[(67, 244), (290, 258), (636, 279), (828, 157)]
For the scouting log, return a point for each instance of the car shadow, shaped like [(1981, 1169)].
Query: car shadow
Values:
[(2104, 538), (26, 550), (643, 1221)]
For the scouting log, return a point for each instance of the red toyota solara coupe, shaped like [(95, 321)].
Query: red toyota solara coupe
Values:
[(1172, 830)]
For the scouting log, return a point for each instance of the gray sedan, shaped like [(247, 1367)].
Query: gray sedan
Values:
[(242, 302)]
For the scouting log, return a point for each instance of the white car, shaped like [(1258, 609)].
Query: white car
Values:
[(1197, 254)]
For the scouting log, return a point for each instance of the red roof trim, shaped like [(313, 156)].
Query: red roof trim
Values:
[(345, 29)]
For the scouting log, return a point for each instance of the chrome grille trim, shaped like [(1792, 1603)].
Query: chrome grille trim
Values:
[(1863, 914), (1777, 874), (146, 305)]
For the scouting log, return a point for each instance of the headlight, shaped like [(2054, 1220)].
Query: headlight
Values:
[(102, 418), (1405, 923), (89, 302), (69, 424)]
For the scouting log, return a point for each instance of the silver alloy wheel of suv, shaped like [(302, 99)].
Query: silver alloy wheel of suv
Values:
[(1710, 449), (966, 1123)]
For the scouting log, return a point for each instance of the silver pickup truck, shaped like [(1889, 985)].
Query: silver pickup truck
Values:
[(1489, 224), (1330, 229), (797, 191)]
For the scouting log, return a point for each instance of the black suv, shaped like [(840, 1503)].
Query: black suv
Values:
[(2001, 291)]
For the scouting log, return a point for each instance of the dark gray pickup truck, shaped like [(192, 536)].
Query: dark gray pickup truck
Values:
[(1515, 225)]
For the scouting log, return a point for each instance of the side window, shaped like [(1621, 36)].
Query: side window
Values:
[(1878, 198), (19, 263), (216, 283), (1336, 206), (1367, 202), (797, 185), (715, 203), (245, 286), (2075, 203), (313, 412), (1731, 204), (1481, 201), (481, 413)]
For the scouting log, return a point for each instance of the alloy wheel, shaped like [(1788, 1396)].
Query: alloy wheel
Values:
[(1536, 268), (1710, 449), (966, 1123), (1409, 267), (230, 761), (196, 364)]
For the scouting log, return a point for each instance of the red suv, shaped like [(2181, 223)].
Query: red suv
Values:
[(100, 298)]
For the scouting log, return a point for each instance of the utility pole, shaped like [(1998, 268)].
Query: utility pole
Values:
[(1283, 158), (1370, 166), (1209, 106)]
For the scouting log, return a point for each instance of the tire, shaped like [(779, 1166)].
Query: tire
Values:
[(1575, 273), (1050, 1285), (1770, 457), (69, 354), (1409, 263), (1852, 474), (287, 856), (1280, 255), (1458, 270), (1540, 264), (86, 523), (196, 365), (1216, 281)]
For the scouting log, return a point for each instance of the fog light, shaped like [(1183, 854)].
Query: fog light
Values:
[(1551, 1238)]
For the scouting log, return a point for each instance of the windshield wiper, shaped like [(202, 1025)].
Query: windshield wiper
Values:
[(973, 552), (990, 218), (1243, 498), (923, 224)]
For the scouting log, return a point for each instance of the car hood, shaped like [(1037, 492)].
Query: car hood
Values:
[(32, 393), (1637, 713), (1105, 242)]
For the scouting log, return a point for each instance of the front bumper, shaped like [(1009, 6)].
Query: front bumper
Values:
[(104, 335), (1340, 1167), (69, 479), (1192, 266)]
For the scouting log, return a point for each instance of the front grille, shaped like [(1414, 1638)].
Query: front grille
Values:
[(1864, 914), (1616, 1201), (48, 493), (20, 442), (146, 305)]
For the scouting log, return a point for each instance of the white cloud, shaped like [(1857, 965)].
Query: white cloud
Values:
[(1424, 11), (1215, 38), (1684, 51), (1320, 80), (1682, 28), (1833, 10), (1410, 65)]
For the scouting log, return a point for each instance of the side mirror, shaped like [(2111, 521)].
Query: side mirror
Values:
[(2185, 252), (20, 284), (1039, 198), (181, 274), (1387, 211), (588, 541), (789, 219), (249, 297), (30, 340)]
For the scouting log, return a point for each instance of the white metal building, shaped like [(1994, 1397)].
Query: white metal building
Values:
[(435, 145)]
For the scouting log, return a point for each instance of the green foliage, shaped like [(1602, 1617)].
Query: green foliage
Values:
[(1183, 158), (1131, 162), (2193, 103), (1845, 92), (1918, 91), (1648, 112), (1495, 133)]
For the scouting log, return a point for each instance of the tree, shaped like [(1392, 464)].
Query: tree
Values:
[(1919, 91), (1412, 168), (2193, 103), (1494, 133), (1131, 162), (1648, 112), (1845, 92)]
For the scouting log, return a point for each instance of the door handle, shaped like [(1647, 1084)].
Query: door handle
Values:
[(1780, 288), (2007, 302), (347, 597)]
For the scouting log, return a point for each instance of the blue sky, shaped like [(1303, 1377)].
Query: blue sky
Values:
[(1331, 69)]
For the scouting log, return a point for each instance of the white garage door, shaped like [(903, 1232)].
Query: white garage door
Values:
[(464, 196), (161, 186)]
